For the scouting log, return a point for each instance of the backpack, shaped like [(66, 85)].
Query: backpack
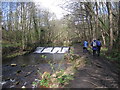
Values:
[(98, 43), (94, 44)]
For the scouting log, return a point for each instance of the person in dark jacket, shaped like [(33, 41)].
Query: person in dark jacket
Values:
[(94, 47), (98, 46)]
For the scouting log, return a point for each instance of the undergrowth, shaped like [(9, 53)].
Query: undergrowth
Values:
[(60, 77)]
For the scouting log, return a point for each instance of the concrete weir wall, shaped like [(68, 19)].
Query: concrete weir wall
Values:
[(52, 49)]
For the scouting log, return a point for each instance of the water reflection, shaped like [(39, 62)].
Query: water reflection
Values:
[(28, 66)]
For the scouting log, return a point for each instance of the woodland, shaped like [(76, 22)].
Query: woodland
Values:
[(24, 27)]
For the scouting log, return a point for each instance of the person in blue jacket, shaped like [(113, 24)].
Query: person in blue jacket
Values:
[(94, 47), (85, 46), (98, 46)]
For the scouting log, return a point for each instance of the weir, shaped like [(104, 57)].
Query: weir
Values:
[(52, 49)]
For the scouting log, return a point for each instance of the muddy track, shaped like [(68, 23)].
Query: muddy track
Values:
[(98, 72)]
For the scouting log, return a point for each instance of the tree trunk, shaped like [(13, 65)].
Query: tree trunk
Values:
[(22, 25), (110, 25), (96, 29), (117, 43), (118, 39), (103, 37)]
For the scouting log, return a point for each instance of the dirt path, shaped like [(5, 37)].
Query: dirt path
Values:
[(98, 73)]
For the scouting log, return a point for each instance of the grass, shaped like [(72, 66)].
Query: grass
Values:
[(114, 55), (89, 49), (9, 44), (15, 54), (11, 50), (103, 51)]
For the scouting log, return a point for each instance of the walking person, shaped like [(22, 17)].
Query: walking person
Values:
[(85, 46), (98, 46), (94, 47)]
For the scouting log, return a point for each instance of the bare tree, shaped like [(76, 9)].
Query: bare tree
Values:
[(110, 25)]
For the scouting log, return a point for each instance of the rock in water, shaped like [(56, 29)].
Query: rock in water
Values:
[(13, 65), (18, 71), (23, 65), (23, 86), (17, 83)]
